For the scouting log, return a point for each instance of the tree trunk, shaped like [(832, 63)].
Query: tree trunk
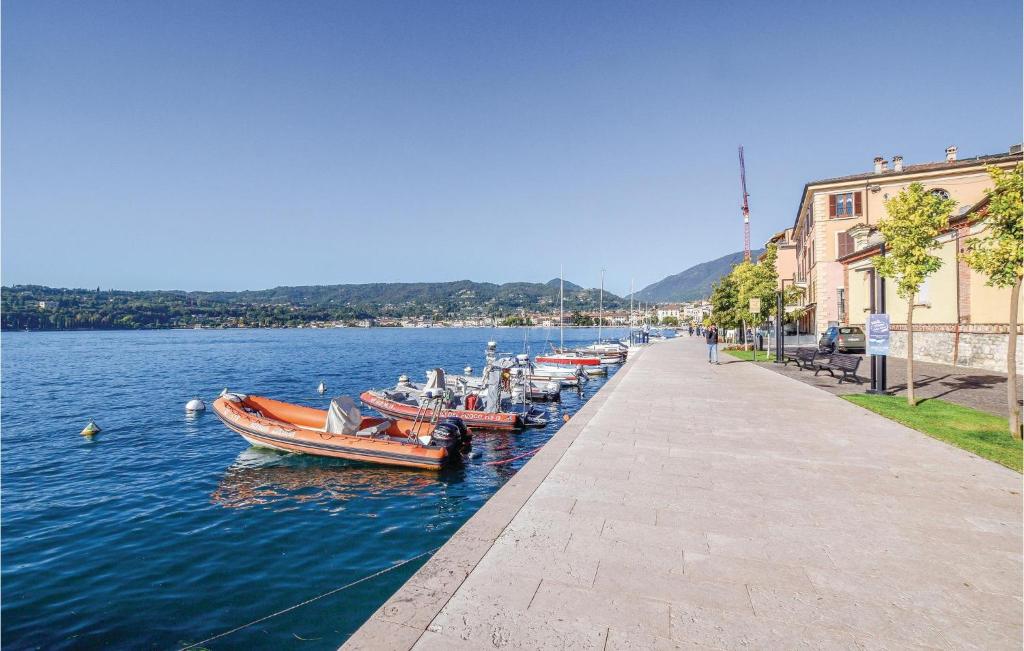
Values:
[(910, 353), (1012, 392)]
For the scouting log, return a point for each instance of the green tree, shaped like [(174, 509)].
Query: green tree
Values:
[(724, 299), (999, 253), (670, 321), (757, 280), (916, 217)]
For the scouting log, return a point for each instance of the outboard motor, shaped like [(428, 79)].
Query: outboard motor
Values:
[(451, 433), (534, 417)]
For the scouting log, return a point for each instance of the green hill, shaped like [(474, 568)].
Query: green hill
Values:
[(693, 283), (35, 307)]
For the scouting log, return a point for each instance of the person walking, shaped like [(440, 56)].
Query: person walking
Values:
[(712, 340)]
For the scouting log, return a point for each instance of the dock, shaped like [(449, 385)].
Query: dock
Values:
[(696, 506)]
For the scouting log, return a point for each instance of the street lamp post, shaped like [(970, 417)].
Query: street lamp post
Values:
[(780, 306), (877, 306)]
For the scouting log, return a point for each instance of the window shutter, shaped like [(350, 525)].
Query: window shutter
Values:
[(831, 205), (856, 204), (845, 244)]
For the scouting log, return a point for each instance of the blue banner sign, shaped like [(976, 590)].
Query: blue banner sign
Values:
[(878, 334)]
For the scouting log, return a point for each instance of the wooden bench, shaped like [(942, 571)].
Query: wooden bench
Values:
[(847, 364), (802, 357)]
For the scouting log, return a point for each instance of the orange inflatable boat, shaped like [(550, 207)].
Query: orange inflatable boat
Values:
[(342, 432)]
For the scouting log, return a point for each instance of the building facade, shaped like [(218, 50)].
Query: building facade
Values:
[(668, 311), (828, 251)]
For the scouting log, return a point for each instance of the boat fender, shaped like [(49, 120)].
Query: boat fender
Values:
[(321, 388)]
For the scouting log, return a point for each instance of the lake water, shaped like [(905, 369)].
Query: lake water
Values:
[(168, 529)]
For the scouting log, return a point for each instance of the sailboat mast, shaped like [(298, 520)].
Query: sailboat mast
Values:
[(631, 311), (561, 308), (600, 309)]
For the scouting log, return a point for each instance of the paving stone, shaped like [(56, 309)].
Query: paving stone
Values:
[(708, 567), (601, 608), (379, 635), (651, 535), (623, 641), (618, 578), (722, 629)]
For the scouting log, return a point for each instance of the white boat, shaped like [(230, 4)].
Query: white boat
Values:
[(565, 375)]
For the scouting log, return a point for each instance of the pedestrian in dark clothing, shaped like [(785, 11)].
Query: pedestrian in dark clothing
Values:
[(712, 340)]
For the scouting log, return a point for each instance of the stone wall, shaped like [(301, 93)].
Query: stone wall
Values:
[(983, 350)]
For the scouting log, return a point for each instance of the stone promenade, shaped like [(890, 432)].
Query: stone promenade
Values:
[(690, 506)]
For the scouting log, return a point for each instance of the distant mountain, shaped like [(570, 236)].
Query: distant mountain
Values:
[(569, 286), (694, 283), (448, 297)]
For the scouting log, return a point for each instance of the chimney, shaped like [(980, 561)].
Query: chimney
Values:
[(879, 161), (897, 163), (951, 154), (885, 165)]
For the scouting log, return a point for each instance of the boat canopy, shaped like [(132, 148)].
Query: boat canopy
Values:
[(435, 379), (492, 390), (343, 417)]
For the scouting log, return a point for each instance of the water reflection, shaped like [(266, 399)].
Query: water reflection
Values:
[(260, 477)]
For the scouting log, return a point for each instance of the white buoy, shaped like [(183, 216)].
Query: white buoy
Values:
[(194, 405), (321, 388), (468, 370), (91, 429)]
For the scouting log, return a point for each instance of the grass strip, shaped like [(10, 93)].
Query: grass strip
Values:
[(748, 355), (984, 434)]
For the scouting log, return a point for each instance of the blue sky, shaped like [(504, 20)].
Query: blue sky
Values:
[(233, 145)]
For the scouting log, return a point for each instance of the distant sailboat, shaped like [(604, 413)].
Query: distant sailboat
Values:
[(561, 357)]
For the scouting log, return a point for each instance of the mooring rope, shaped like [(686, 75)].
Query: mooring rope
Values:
[(311, 600), (525, 454)]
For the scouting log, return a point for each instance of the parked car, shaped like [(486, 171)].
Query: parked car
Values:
[(845, 339)]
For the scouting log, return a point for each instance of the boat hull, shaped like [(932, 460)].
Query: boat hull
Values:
[(564, 380), (568, 360), (472, 419), (284, 437)]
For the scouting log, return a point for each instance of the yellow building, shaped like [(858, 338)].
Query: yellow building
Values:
[(962, 320)]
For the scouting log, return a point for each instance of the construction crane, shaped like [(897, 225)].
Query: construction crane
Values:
[(746, 209)]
